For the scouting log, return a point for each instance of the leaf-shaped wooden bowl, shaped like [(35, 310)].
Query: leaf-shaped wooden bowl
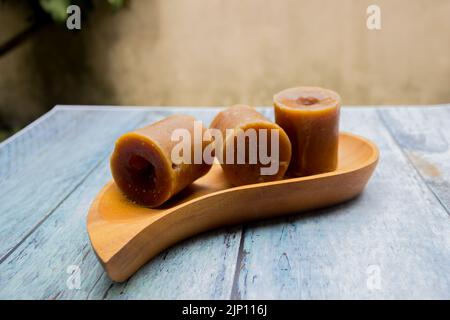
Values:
[(125, 236)]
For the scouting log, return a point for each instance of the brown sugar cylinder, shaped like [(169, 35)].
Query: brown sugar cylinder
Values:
[(310, 117), (241, 125), (141, 163)]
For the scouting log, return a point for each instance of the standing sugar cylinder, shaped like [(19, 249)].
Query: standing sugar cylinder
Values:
[(142, 164), (253, 148), (310, 117)]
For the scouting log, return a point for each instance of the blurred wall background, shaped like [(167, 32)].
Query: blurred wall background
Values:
[(220, 52)]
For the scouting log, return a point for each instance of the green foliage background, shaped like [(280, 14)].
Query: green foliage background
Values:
[(57, 9)]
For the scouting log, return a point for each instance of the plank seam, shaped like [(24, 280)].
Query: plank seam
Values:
[(77, 185), (40, 222), (105, 294), (94, 285), (235, 293), (433, 192)]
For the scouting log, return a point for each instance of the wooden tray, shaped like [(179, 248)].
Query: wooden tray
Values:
[(125, 236)]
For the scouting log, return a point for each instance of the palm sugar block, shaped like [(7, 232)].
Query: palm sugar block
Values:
[(142, 164), (253, 149), (310, 117)]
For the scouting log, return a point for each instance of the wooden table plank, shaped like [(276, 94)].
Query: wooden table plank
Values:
[(396, 232), (201, 267), (424, 135), (48, 161), (37, 269), (328, 253), (32, 139)]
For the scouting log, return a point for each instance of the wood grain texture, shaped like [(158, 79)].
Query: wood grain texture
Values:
[(424, 136), (37, 269), (45, 164), (125, 236), (398, 227), (200, 268), (37, 266)]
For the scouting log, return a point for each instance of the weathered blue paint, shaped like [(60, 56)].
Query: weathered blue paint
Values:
[(398, 230)]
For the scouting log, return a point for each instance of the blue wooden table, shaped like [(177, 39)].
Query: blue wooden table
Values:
[(391, 242)]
